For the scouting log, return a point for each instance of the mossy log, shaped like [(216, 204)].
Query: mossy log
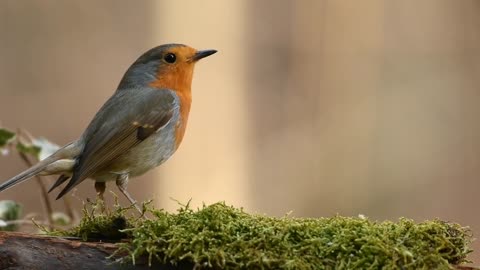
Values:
[(224, 237), (27, 251), (36, 252)]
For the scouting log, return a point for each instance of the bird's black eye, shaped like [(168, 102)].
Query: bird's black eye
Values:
[(170, 58)]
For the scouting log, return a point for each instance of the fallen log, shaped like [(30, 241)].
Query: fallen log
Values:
[(224, 237), (38, 252)]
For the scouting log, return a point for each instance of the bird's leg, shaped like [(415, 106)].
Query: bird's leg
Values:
[(100, 188), (122, 181)]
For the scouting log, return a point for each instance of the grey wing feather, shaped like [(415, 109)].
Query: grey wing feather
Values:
[(127, 118)]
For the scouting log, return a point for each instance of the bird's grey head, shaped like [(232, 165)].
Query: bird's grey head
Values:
[(168, 58), (145, 69)]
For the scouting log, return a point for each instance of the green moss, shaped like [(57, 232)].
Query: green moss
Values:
[(100, 225), (223, 237)]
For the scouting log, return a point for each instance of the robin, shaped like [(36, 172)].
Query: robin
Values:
[(136, 130)]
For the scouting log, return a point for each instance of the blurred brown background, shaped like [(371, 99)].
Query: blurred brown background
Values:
[(319, 107)]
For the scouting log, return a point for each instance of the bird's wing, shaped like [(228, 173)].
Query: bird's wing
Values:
[(126, 119)]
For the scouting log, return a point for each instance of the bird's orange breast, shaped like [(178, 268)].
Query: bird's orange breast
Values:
[(178, 79), (181, 125)]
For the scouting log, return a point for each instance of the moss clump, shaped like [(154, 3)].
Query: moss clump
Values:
[(223, 237), (100, 225)]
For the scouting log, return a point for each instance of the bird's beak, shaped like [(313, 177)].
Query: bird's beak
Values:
[(202, 54)]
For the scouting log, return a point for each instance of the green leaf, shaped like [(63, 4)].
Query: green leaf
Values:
[(29, 149), (9, 210), (6, 136)]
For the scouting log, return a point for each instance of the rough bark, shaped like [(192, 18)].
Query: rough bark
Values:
[(36, 252)]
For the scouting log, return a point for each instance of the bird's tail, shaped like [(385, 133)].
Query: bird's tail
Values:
[(27, 174), (68, 151)]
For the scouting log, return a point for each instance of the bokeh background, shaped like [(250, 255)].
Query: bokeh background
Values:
[(316, 107)]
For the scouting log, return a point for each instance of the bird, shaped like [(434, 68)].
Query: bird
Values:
[(137, 129)]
